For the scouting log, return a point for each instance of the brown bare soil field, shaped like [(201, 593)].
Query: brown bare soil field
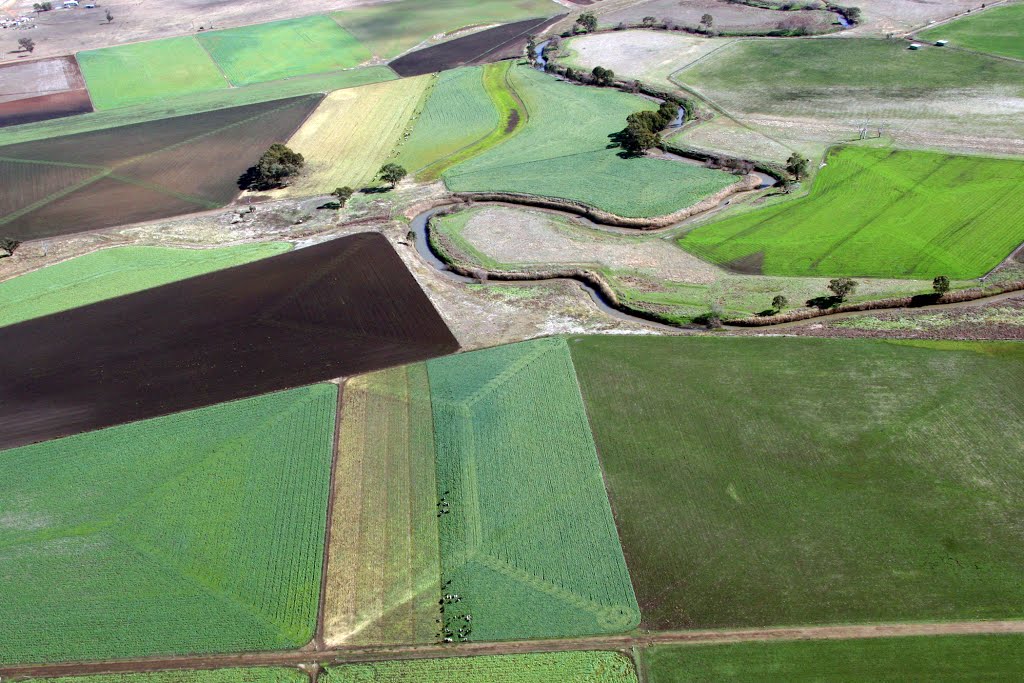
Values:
[(68, 31), (727, 16), (339, 308), (491, 45), (41, 89), (36, 182), (140, 172)]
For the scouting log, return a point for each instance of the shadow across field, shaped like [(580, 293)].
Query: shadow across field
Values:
[(339, 308), (139, 172)]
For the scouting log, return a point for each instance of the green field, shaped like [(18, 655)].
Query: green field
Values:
[(393, 28), (149, 71), (881, 213), (562, 152), (198, 103), (458, 113), (529, 543), (201, 531), (253, 675), (789, 481), (116, 272), (931, 658), (283, 49), (384, 567), (999, 31), (569, 667)]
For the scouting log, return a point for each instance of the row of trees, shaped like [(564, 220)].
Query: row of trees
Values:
[(844, 287)]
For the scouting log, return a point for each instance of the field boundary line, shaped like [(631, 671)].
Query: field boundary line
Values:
[(318, 635), (198, 201), (220, 69), (49, 199), (342, 655)]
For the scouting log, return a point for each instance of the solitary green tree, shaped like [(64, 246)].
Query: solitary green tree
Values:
[(707, 21), (940, 285), (587, 21), (779, 302), (110, 17), (842, 287), (796, 165), (273, 169), (391, 174), (27, 44), (343, 194), (531, 50)]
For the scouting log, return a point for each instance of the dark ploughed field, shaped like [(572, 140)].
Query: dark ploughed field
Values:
[(140, 172), (339, 308), (42, 89), (491, 45)]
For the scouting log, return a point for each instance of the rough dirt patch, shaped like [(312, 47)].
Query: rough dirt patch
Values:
[(143, 171), (41, 89), (339, 308), (491, 45), (727, 17), (513, 236), (649, 56)]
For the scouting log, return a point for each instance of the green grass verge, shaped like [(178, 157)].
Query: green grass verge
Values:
[(252, 675), (931, 658), (391, 29), (563, 151), (198, 103), (881, 213), (763, 482), (115, 272), (196, 532), (529, 543), (144, 72), (999, 31), (577, 667), (283, 49)]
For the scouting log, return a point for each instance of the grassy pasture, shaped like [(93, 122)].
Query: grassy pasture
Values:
[(789, 481), (352, 133), (115, 272), (999, 31), (198, 103), (201, 531), (384, 568), (574, 667), (562, 151), (393, 28), (457, 113), (144, 72), (283, 49), (929, 658), (876, 212), (934, 98), (529, 543), (468, 111)]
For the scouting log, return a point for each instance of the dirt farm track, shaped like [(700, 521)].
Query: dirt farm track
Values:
[(339, 308), (372, 654)]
